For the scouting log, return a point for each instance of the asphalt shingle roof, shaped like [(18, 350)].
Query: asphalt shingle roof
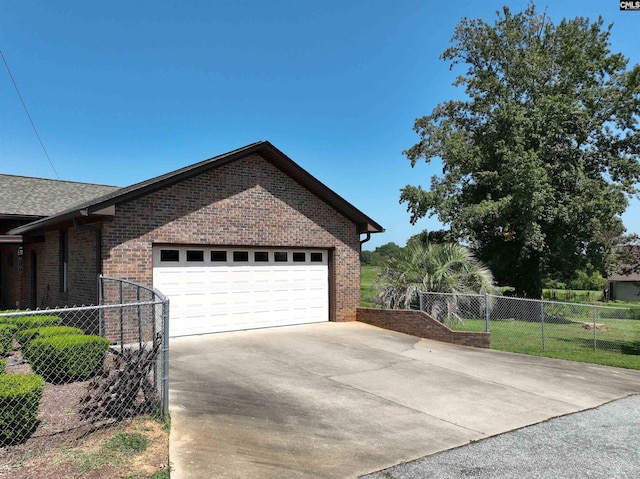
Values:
[(25, 196)]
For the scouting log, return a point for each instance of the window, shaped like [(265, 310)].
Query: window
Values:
[(280, 256), (195, 255), (240, 256), (64, 262), (169, 255), (218, 256), (316, 257), (299, 257), (261, 256)]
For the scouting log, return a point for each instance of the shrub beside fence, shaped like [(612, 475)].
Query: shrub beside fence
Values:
[(108, 361), (533, 326)]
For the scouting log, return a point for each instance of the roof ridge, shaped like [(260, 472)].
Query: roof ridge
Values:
[(58, 180)]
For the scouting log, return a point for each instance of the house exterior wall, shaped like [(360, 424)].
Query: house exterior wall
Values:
[(246, 203), (83, 276), (16, 277), (10, 279), (625, 290), (17, 273)]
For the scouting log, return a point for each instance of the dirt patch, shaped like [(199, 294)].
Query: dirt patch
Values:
[(598, 326), (90, 457), (63, 445)]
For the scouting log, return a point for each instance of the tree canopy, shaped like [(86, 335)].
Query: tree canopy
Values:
[(381, 253), (540, 158)]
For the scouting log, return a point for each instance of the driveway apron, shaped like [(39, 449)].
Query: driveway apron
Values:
[(339, 400)]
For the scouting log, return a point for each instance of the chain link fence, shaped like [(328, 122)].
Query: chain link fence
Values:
[(71, 368), (530, 326)]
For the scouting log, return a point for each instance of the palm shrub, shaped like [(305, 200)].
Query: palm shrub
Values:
[(20, 396), (69, 357), (437, 267)]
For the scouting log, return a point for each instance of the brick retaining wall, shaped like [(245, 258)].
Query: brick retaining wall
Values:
[(419, 323)]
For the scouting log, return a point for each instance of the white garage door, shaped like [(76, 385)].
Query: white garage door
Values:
[(227, 289)]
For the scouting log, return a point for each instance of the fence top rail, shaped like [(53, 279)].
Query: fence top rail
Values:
[(527, 299), (40, 312), (161, 296)]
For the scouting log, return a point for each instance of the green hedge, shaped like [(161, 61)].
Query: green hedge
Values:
[(20, 396), (3, 366), (7, 333), (26, 335), (30, 322), (70, 357)]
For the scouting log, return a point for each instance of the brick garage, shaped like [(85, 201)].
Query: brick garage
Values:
[(250, 199)]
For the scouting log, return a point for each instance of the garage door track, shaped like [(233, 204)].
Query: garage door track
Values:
[(338, 400)]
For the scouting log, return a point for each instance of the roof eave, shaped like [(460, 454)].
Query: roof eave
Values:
[(264, 148), (11, 239)]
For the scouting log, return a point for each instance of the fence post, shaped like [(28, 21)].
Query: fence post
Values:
[(595, 330), (486, 312), (121, 320), (100, 302), (139, 318), (165, 358), (542, 321), (420, 299)]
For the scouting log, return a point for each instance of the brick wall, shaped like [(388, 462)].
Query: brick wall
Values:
[(83, 277), (17, 282), (10, 278), (246, 203), (419, 323)]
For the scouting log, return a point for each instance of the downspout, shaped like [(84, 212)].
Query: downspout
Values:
[(365, 240)]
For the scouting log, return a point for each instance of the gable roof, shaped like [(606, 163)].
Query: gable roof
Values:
[(22, 196), (263, 148), (633, 277)]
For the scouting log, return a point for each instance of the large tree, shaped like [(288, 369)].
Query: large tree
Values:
[(542, 154)]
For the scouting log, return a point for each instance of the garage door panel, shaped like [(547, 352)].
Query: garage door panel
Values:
[(210, 296)]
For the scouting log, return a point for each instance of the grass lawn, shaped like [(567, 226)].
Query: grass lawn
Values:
[(618, 346), (367, 290)]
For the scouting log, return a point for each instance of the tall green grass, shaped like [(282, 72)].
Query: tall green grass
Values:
[(368, 291), (572, 295)]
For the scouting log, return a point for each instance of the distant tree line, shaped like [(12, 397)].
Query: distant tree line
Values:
[(587, 278)]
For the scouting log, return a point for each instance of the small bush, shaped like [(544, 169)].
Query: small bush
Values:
[(3, 366), (20, 396), (31, 322), (69, 357), (7, 333), (26, 335)]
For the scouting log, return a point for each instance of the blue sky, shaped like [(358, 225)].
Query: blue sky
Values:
[(124, 91)]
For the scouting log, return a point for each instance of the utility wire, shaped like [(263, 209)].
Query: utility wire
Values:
[(28, 115)]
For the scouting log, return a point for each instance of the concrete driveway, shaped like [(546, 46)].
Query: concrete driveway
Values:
[(339, 400)]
